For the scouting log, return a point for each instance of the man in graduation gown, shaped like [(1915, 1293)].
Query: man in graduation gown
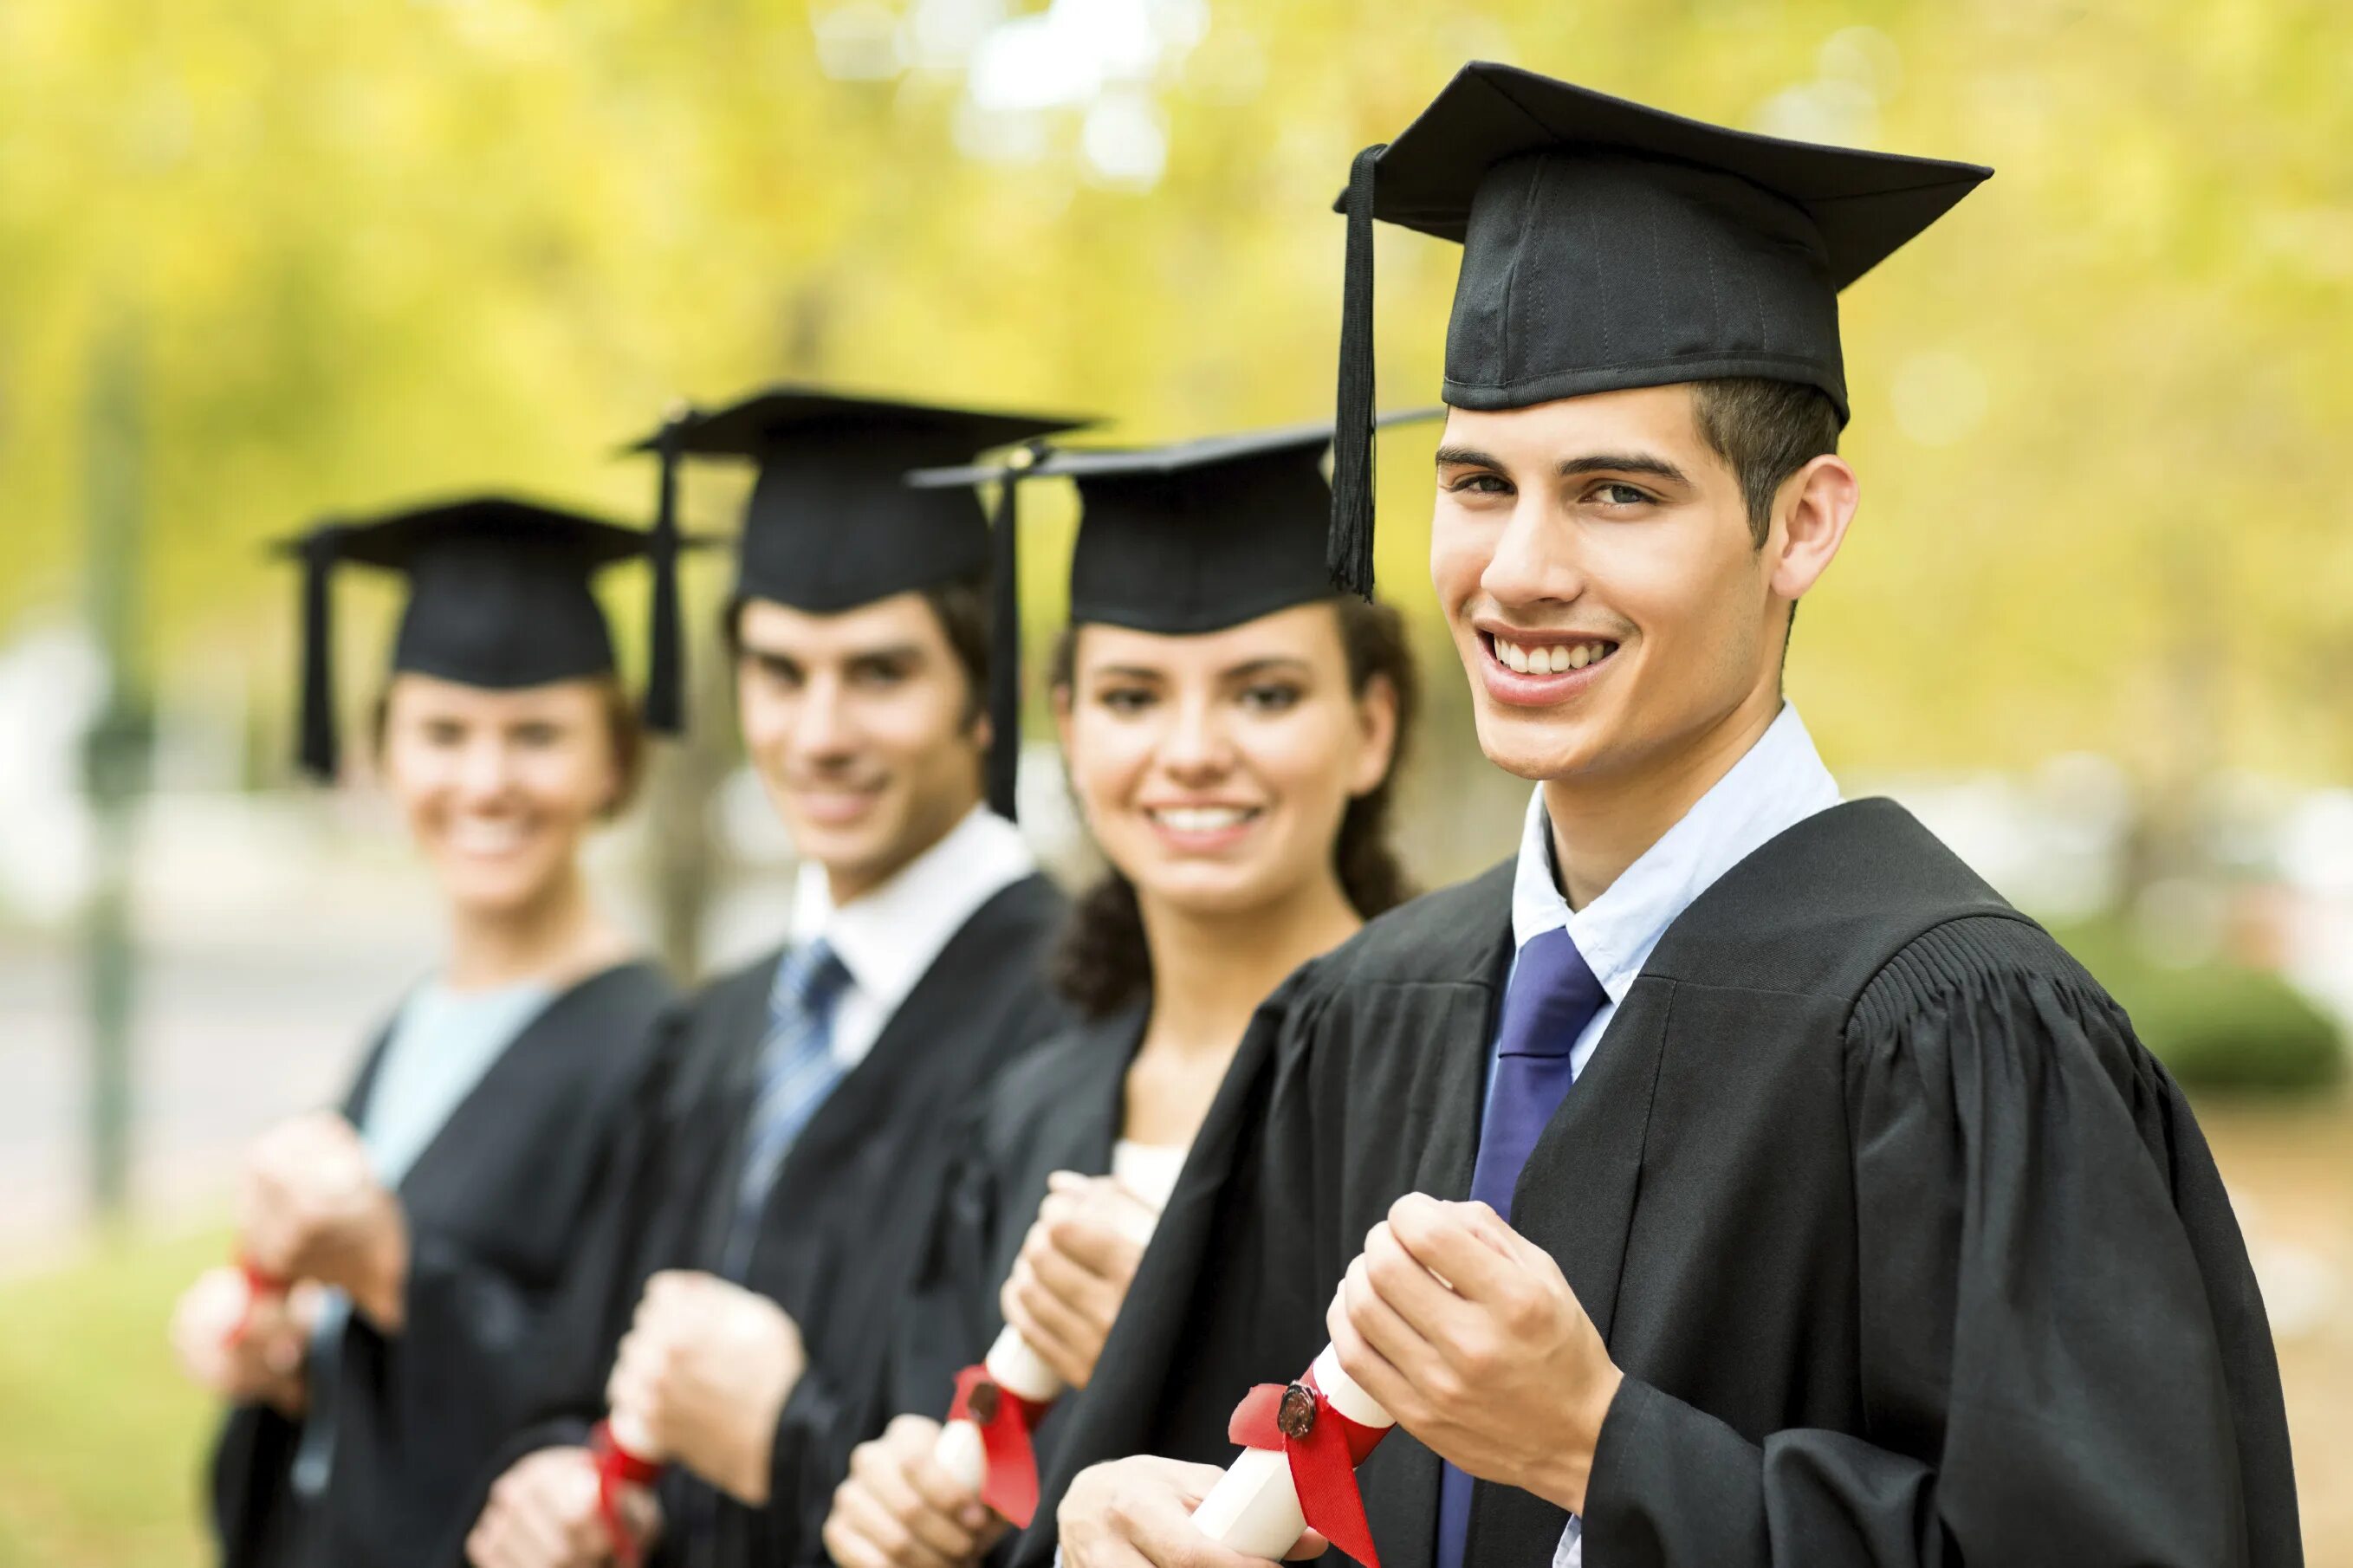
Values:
[(1732, 1178), (744, 1295)]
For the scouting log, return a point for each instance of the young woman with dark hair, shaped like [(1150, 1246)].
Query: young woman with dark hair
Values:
[(1230, 730)]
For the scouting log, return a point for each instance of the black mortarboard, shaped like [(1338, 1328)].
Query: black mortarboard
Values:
[(1183, 539), (1607, 245), (498, 597), (832, 524)]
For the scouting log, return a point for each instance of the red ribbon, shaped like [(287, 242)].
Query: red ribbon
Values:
[(260, 1285), (1006, 1420), (1324, 1457), (618, 1467)]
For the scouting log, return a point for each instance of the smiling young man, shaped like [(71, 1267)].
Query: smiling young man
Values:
[(1731, 1178), (768, 1217)]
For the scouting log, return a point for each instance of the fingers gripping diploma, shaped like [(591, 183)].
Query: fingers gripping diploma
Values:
[(1136, 1512), (1467, 1332), (1076, 1265), (1452, 1325), (310, 1208), (542, 1514), (898, 1508), (702, 1376)]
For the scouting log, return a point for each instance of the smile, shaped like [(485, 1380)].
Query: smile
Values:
[(486, 839), (1547, 659), (1191, 819)]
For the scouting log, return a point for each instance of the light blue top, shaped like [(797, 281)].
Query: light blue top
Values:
[(441, 1045)]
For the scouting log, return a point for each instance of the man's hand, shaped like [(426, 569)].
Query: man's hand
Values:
[(310, 1208), (1074, 1269), (1140, 1510), (704, 1372), (1503, 1374), (542, 1514), (246, 1355), (898, 1510)]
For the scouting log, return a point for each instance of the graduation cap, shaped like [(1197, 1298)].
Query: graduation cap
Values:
[(499, 597), (832, 524), (1180, 540), (1607, 245)]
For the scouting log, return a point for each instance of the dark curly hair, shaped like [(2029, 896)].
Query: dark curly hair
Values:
[(1102, 963)]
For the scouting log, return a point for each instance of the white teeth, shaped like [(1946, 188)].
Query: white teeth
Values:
[(1201, 818), (1551, 659)]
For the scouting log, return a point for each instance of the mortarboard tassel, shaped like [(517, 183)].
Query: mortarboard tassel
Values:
[(1004, 639), (665, 703), (1350, 552), (316, 724)]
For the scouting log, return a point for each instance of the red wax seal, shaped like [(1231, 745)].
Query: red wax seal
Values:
[(1324, 1447), (1009, 1484)]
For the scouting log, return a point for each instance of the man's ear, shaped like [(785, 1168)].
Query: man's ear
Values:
[(1809, 522)]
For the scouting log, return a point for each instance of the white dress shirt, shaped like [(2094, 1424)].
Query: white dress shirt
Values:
[(888, 937), (1778, 783)]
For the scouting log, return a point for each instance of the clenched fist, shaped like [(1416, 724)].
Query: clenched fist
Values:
[(704, 1373), (1074, 1268), (310, 1208), (247, 1350), (898, 1510), (542, 1514)]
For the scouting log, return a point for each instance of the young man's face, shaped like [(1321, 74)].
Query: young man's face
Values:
[(861, 726), (1595, 563)]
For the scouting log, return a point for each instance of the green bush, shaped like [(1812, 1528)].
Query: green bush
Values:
[(2215, 1025)]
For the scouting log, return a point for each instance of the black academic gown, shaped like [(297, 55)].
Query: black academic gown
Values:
[(841, 1239), (1910, 1253), (1059, 1107), (492, 1204)]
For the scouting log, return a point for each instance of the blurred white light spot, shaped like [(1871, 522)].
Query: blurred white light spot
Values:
[(1122, 140), (858, 41), (942, 34), (1002, 135), (1939, 397), (1836, 111), (1864, 56)]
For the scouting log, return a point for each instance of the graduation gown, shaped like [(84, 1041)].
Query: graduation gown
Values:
[(492, 1204), (1059, 1107), (1909, 1251), (841, 1237)]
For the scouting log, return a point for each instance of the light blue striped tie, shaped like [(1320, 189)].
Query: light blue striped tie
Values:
[(797, 1070)]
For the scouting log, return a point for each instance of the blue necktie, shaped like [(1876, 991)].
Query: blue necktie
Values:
[(797, 1070), (1552, 997)]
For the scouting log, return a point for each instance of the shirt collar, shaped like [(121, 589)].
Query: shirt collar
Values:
[(1779, 783), (886, 938)]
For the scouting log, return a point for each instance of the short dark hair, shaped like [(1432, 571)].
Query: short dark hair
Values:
[(960, 604), (1765, 430)]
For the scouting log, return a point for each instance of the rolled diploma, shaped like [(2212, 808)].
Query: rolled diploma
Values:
[(631, 1435), (1254, 1508), (1150, 1171)]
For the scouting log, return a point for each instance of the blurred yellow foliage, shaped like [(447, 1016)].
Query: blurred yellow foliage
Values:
[(377, 248)]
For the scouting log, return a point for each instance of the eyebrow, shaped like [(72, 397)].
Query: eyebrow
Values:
[(1572, 467), (1268, 666)]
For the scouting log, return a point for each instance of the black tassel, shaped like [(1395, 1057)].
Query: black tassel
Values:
[(316, 747), (1005, 640), (665, 703), (1349, 554)]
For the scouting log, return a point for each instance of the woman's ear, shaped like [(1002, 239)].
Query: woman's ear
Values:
[(1062, 697), (1377, 724)]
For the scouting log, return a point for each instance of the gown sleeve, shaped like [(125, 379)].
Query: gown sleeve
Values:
[(2042, 1364)]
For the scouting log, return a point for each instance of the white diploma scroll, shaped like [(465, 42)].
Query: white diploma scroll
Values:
[(1254, 1508), (1147, 1170), (629, 1435)]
